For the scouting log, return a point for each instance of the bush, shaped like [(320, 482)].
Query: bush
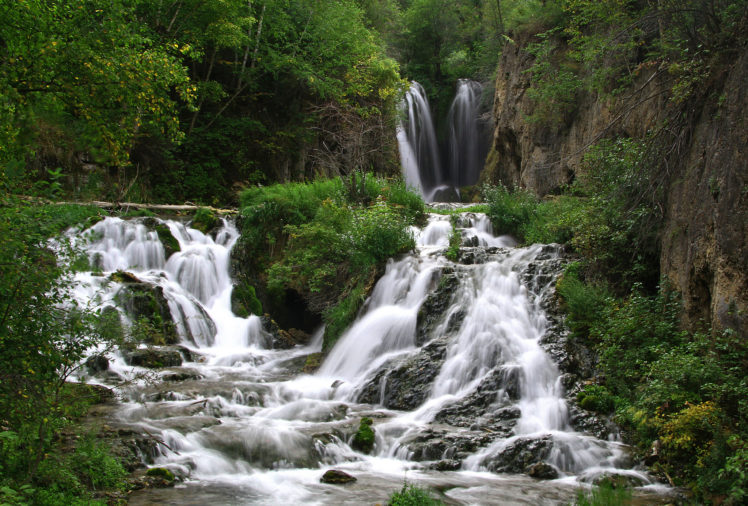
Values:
[(509, 211), (604, 494), (596, 398), (584, 303), (410, 495)]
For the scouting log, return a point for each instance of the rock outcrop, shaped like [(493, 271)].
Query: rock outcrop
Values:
[(704, 254)]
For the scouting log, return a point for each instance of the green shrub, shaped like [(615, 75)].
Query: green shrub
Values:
[(411, 495), (584, 303), (596, 398), (605, 494), (509, 211), (204, 220), (340, 316), (455, 241)]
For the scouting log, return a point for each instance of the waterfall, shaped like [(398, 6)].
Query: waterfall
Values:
[(467, 135), (419, 151), (449, 358)]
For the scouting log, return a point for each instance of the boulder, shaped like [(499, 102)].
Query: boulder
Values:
[(520, 455), (363, 440), (542, 471), (337, 477), (154, 358), (96, 364)]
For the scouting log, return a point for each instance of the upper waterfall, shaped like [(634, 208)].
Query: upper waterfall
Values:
[(421, 153)]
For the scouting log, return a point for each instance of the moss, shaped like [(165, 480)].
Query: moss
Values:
[(244, 301), (363, 441), (170, 243), (312, 363), (161, 472), (204, 220)]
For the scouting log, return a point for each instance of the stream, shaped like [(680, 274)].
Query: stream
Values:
[(452, 361)]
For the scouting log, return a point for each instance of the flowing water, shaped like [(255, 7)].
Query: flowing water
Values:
[(447, 358), (465, 148), (419, 151), (468, 139)]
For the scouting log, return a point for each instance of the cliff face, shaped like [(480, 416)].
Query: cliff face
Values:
[(704, 252)]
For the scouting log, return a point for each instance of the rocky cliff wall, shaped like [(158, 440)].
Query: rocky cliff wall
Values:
[(704, 253)]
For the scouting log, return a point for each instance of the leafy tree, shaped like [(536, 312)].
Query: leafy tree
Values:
[(85, 67)]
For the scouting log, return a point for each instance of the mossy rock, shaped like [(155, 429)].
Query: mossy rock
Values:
[(148, 308), (336, 477), (312, 363), (161, 472), (169, 242), (244, 301), (205, 221), (154, 358), (363, 441), (124, 277)]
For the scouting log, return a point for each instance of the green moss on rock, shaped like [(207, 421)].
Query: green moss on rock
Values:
[(363, 441), (204, 220), (161, 472)]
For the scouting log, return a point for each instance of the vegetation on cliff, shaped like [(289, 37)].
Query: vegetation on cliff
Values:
[(316, 247)]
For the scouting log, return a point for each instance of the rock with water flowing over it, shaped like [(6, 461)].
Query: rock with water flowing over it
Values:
[(519, 455), (337, 477), (96, 364), (542, 471), (154, 358), (406, 384), (145, 303)]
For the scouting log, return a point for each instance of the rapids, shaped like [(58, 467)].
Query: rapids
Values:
[(245, 426)]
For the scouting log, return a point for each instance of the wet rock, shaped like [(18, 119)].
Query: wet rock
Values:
[(147, 303), (542, 471), (447, 465), (280, 339), (161, 472), (168, 241), (337, 477), (446, 194), (484, 407), (406, 384), (434, 308), (519, 455), (618, 480), (96, 364), (181, 376), (312, 362), (154, 358), (435, 445), (263, 446)]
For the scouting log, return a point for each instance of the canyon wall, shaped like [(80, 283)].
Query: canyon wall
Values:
[(705, 228)]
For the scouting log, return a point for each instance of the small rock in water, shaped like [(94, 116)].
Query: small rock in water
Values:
[(542, 471), (97, 363), (153, 358), (337, 477), (447, 465)]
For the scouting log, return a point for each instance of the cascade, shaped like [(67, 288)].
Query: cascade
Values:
[(450, 359), (419, 149), (419, 152), (468, 137)]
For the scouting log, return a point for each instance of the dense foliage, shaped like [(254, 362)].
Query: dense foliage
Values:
[(324, 241), (679, 394), (43, 337), (139, 99)]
